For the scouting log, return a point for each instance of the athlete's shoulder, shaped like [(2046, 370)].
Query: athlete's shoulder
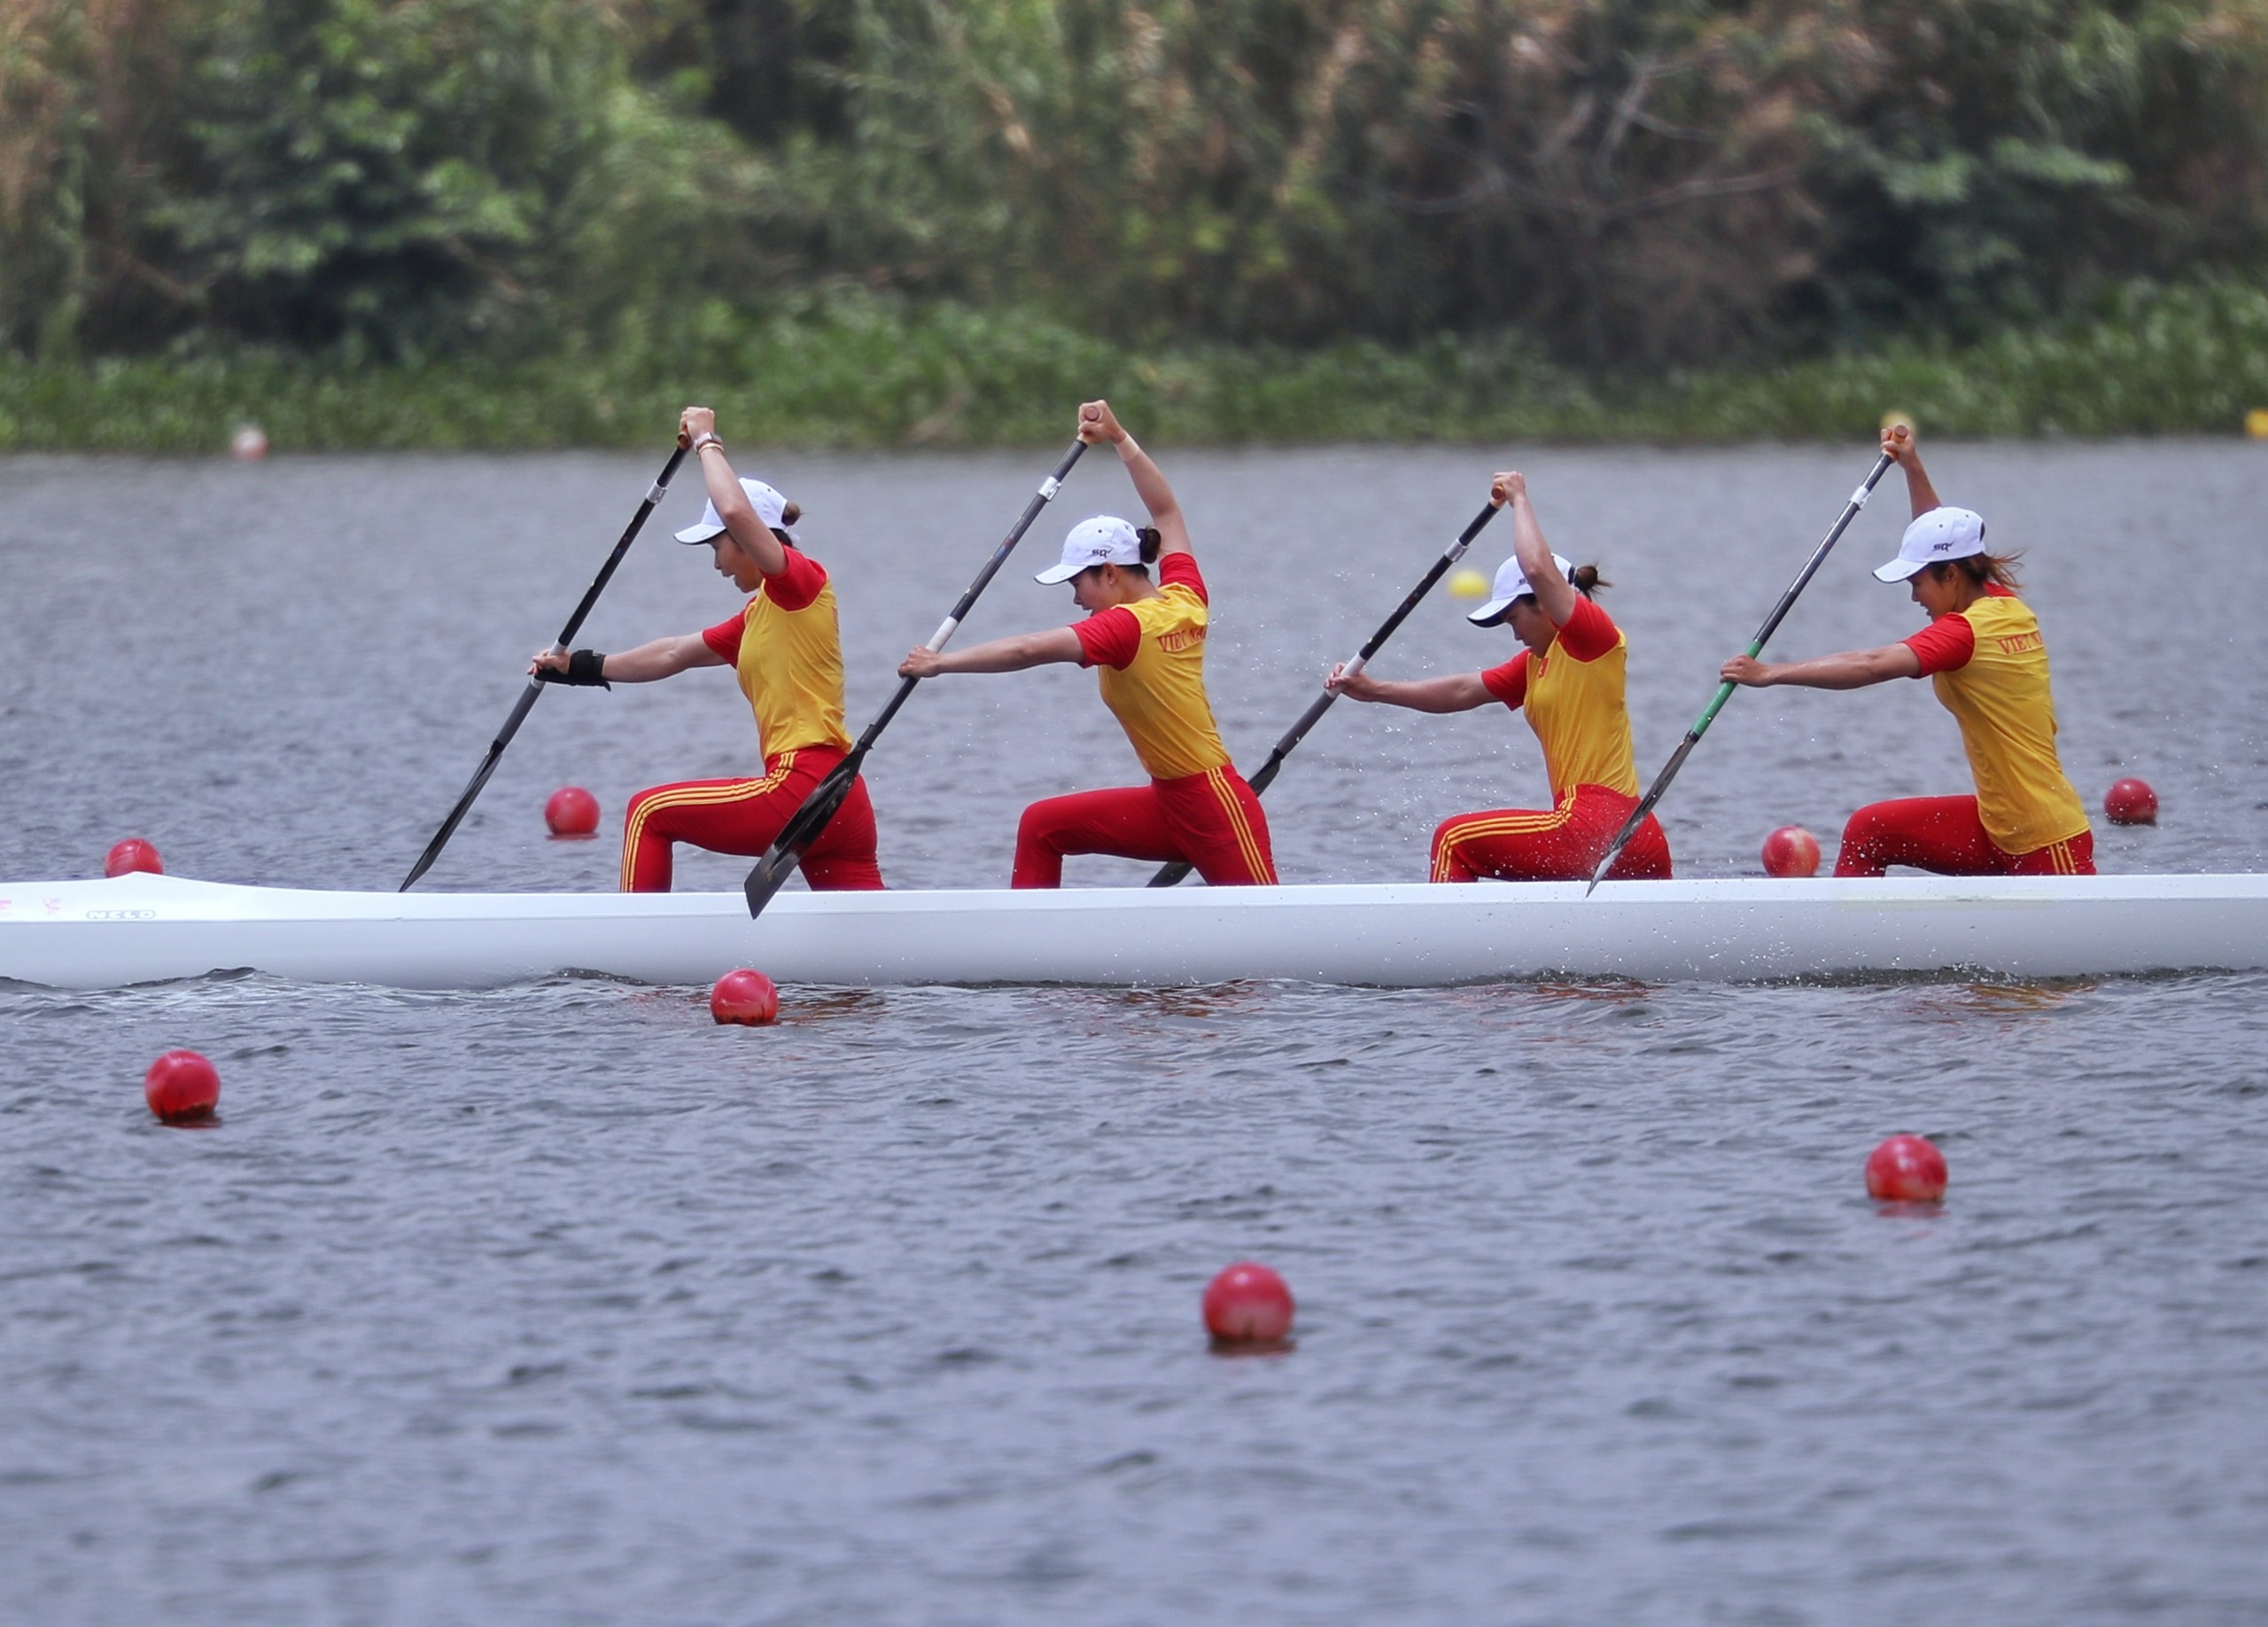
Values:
[(1109, 638), (1179, 570), (1509, 682), (725, 637), (798, 584), (1589, 632)]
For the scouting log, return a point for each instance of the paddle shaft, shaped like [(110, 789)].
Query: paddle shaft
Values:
[(803, 827), (520, 709), (1725, 689), (1174, 873)]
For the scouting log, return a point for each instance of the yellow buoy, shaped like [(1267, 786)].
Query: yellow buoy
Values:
[(2255, 424), (1906, 418), (1468, 585)]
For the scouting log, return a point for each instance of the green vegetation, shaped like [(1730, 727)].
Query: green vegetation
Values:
[(512, 222), (863, 373)]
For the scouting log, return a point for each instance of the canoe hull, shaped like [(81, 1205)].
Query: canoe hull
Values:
[(143, 929)]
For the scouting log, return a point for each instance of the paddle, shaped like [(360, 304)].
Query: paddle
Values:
[(535, 687), (803, 827), (1725, 689), (1173, 873)]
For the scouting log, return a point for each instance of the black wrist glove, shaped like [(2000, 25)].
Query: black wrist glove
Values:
[(586, 668)]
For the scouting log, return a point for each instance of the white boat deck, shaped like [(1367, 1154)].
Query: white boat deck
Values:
[(143, 929)]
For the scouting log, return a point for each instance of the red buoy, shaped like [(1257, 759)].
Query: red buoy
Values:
[(182, 1088), (1248, 1306), (1906, 1168), (1791, 851), (131, 855), (745, 996), (2131, 801), (571, 812)]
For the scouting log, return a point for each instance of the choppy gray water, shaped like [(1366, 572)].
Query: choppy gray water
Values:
[(559, 1304)]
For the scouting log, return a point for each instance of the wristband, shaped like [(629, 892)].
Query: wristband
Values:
[(585, 667), (706, 441)]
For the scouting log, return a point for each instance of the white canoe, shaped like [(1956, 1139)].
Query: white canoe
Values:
[(145, 928)]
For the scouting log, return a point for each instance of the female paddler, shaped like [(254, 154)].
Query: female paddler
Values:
[(1984, 654), (785, 647), (1569, 680), (1146, 639)]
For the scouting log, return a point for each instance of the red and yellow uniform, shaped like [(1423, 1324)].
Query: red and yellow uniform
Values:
[(786, 650), (1572, 695), (1196, 808), (1989, 666)]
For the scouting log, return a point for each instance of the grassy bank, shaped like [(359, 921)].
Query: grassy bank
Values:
[(2149, 360)]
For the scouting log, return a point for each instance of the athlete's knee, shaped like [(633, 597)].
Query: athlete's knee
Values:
[(1043, 827), (1448, 861), (1866, 834)]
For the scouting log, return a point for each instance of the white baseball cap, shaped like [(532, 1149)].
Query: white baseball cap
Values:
[(1511, 583), (771, 508), (1940, 534), (1104, 540)]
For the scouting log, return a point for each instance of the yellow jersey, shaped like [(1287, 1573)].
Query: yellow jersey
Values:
[(786, 648), (1989, 666), (1572, 695), (1150, 658)]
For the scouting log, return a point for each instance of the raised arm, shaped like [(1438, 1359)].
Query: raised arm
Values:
[(1001, 655), (1555, 596), (1853, 669), (1898, 445), (1099, 423), (732, 506), (663, 657), (1451, 692)]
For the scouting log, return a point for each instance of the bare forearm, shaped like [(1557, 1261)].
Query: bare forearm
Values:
[(663, 657), (1853, 669), (1918, 486), (741, 519), (1157, 496), (1011, 654), (1553, 595), (1451, 692)]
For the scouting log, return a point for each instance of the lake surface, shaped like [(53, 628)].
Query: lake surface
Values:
[(560, 1304)]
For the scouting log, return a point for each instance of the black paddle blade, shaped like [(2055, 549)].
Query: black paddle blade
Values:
[(473, 787), (770, 872), (654, 496)]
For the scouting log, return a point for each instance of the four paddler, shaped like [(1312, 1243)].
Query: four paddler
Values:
[(786, 648), (1982, 651), (1146, 638), (1984, 654), (1569, 682)]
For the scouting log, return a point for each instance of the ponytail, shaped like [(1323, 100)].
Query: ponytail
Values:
[(1585, 579), (1151, 542), (1998, 570)]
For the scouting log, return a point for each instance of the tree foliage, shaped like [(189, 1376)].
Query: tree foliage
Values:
[(1633, 184)]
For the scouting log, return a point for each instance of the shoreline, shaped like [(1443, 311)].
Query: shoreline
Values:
[(2153, 360)]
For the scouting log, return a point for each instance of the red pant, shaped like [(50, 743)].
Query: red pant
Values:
[(744, 816), (1211, 821), (1944, 835), (1562, 844)]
